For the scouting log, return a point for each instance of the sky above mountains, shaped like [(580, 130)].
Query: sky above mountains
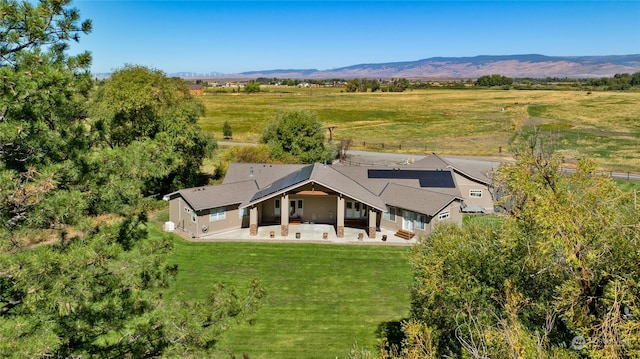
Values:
[(237, 36)]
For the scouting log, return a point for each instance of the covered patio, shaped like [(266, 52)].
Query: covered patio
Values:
[(314, 195)]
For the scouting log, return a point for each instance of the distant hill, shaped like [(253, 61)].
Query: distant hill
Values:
[(533, 65)]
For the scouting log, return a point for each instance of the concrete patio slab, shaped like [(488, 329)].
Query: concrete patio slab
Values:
[(303, 233)]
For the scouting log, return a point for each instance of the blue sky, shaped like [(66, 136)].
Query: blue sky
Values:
[(238, 36)]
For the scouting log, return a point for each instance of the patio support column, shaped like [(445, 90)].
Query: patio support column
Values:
[(372, 222), (284, 215), (340, 223), (253, 221)]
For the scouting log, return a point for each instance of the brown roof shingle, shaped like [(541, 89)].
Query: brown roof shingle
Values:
[(200, 198), (415, 199)]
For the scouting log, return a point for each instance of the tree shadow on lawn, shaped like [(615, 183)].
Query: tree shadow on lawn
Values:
[(391, 333)]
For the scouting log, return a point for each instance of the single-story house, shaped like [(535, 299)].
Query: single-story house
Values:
[(195, 89), (409, 200)]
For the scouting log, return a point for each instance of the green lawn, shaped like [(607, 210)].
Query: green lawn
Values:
[(628, 186), (321, 299)]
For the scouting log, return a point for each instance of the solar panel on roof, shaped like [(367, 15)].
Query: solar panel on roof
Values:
[(426, 178), (440, 179), (301, 175)]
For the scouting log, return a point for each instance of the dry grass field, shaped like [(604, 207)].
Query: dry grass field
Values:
[(604, 126)]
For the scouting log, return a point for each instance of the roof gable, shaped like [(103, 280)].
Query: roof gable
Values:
[(434, 161), (323, 175), (431, 161), (329, 177)]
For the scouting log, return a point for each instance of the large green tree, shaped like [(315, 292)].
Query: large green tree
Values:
[(297, 136), (494, 80), (138, 104), (96, 290), (42, 130), (101, 295), (557, 277), (37, 124)]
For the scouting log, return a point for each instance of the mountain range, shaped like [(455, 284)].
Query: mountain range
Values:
[(517, 66)]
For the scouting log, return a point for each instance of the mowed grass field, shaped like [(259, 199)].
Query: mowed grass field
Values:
[(321, 298), (604, 126)]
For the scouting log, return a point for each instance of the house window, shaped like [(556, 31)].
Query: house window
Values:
[(276, 207), (391, 215), (444, 215), (216, 214), (421, 221), (355, 210), (475, 193), (193, 216), (243, 212)]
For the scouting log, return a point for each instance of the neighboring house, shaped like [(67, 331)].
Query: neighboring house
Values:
[(409, 200), (195, 89)]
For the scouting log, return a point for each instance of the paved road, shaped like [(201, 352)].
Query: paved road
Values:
[(383, 158), (483, 164)]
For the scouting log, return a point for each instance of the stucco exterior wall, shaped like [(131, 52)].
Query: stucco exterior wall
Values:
[(466, 186), (389, 224), (267, 213), (231, 220), (180, 213), (317, 209), (455, 216), (175, 207)]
